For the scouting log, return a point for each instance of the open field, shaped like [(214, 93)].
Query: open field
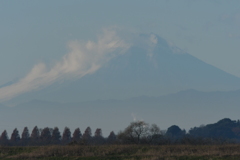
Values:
[(123, 152)]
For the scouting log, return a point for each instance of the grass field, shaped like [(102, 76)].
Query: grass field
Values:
[(123, 152)]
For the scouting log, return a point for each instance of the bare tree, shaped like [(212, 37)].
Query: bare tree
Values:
[(134, 132), (154, 134), (138, 132)]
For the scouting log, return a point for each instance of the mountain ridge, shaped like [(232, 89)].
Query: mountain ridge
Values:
[(185, 96)]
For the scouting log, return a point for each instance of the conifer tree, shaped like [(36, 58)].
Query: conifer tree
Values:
[(45, 136), (98, 138), (35, 136), (56, 136), (77, 135), (87, 134), (4, 138), (25, 136), (66, 137), (112, 138), (15, 137), (98, 132)]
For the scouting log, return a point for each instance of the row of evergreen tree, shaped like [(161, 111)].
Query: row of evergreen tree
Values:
[(52, 136)]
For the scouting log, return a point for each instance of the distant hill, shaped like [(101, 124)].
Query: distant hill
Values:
[(145, 69), (225, 128)]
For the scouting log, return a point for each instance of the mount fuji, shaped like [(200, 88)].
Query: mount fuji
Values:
[(150, 67)]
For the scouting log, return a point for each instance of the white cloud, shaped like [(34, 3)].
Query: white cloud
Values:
[(83, 58)]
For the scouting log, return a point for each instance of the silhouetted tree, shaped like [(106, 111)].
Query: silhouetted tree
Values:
[(223, 129), (45, 136), (98, 138), (98, 132), (4, 138), (154, 135), (236, 131), (88, 133), (77, 135), (87, 136), (111, 138), (66, 137), (139, 132), (134, 132), (56, 136), (15, 137), (175, 133), (35, 135), (25, 136)]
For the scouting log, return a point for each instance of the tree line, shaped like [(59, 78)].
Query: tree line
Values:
[(52, 136), (139, 132), (223, 132)]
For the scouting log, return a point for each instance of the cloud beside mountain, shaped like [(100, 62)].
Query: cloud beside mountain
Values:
[(83, 58)]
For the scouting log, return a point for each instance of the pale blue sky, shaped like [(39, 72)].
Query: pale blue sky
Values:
[(38, 31)]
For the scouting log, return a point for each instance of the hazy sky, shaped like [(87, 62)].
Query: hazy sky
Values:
[(33, 32)]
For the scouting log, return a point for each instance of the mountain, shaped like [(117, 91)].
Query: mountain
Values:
[(185, 108), (150, 68)]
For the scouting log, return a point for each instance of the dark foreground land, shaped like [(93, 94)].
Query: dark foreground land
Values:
[(123, 152)]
